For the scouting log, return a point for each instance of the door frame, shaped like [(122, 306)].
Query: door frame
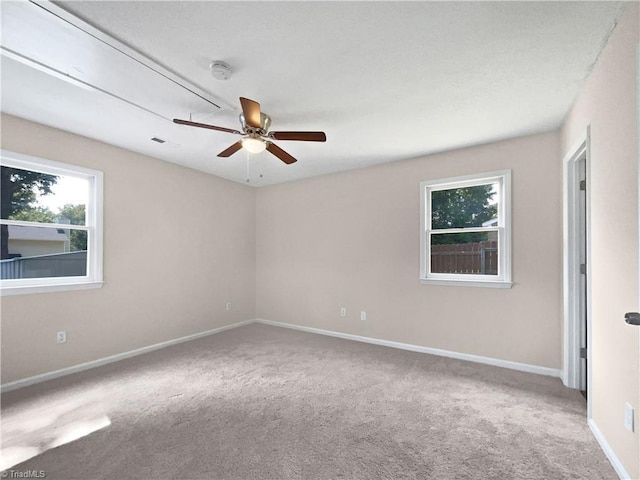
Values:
[(571, 263)]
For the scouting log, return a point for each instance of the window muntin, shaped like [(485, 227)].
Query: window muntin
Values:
[(51, 225), (465, 234)]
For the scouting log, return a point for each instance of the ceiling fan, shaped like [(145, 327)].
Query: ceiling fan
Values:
[(256, 134)]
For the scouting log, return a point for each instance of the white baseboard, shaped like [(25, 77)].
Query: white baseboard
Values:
[(608, 451), (25, 382), (523, 367)]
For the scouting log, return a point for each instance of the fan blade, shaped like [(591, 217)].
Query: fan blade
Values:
[(251, 112), (204, 125), (231, 150), (302, 136), (280, 153)]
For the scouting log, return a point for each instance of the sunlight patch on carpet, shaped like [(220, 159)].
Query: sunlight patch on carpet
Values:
[(48, 424)]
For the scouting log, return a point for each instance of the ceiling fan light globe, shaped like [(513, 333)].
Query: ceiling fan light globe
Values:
[(254, 145)]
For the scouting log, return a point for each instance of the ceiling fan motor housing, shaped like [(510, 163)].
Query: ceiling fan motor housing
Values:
[(265, 123)]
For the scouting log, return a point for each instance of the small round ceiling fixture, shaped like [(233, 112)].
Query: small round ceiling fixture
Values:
[(220, 70)]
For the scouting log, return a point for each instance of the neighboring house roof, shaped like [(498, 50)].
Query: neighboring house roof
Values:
[(37, 233)]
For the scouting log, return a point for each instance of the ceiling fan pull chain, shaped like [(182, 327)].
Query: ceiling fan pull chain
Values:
[(247, 153)]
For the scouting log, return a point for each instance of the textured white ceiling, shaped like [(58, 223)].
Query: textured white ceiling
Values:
[(385, 80)]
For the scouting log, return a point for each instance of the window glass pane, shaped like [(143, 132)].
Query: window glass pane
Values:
[(40, 197), (475, 206), (41, 252), (465, 253)]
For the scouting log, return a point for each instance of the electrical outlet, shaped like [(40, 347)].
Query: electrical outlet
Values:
[(363, 315), (343, 312), (61, 336), (228, 306), (628, 417)]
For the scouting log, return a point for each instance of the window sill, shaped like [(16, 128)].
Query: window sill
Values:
[(467, 283), (62, 287)]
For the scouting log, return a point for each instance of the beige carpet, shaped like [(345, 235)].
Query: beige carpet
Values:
[(261, 402)]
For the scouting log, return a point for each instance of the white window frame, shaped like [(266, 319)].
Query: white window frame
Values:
[(93, 225), (503, 279)]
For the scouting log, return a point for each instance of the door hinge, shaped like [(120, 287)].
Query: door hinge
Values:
[(583, 352), (583, 269), (583, 184)]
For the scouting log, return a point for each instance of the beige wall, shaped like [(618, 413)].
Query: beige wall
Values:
[(352, 240), (608, 103), (178, 244)]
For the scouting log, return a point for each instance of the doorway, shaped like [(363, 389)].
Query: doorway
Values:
[(581, 210), (576, 368)]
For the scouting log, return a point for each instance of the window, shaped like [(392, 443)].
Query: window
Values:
[(465, 235), (51, 226)]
